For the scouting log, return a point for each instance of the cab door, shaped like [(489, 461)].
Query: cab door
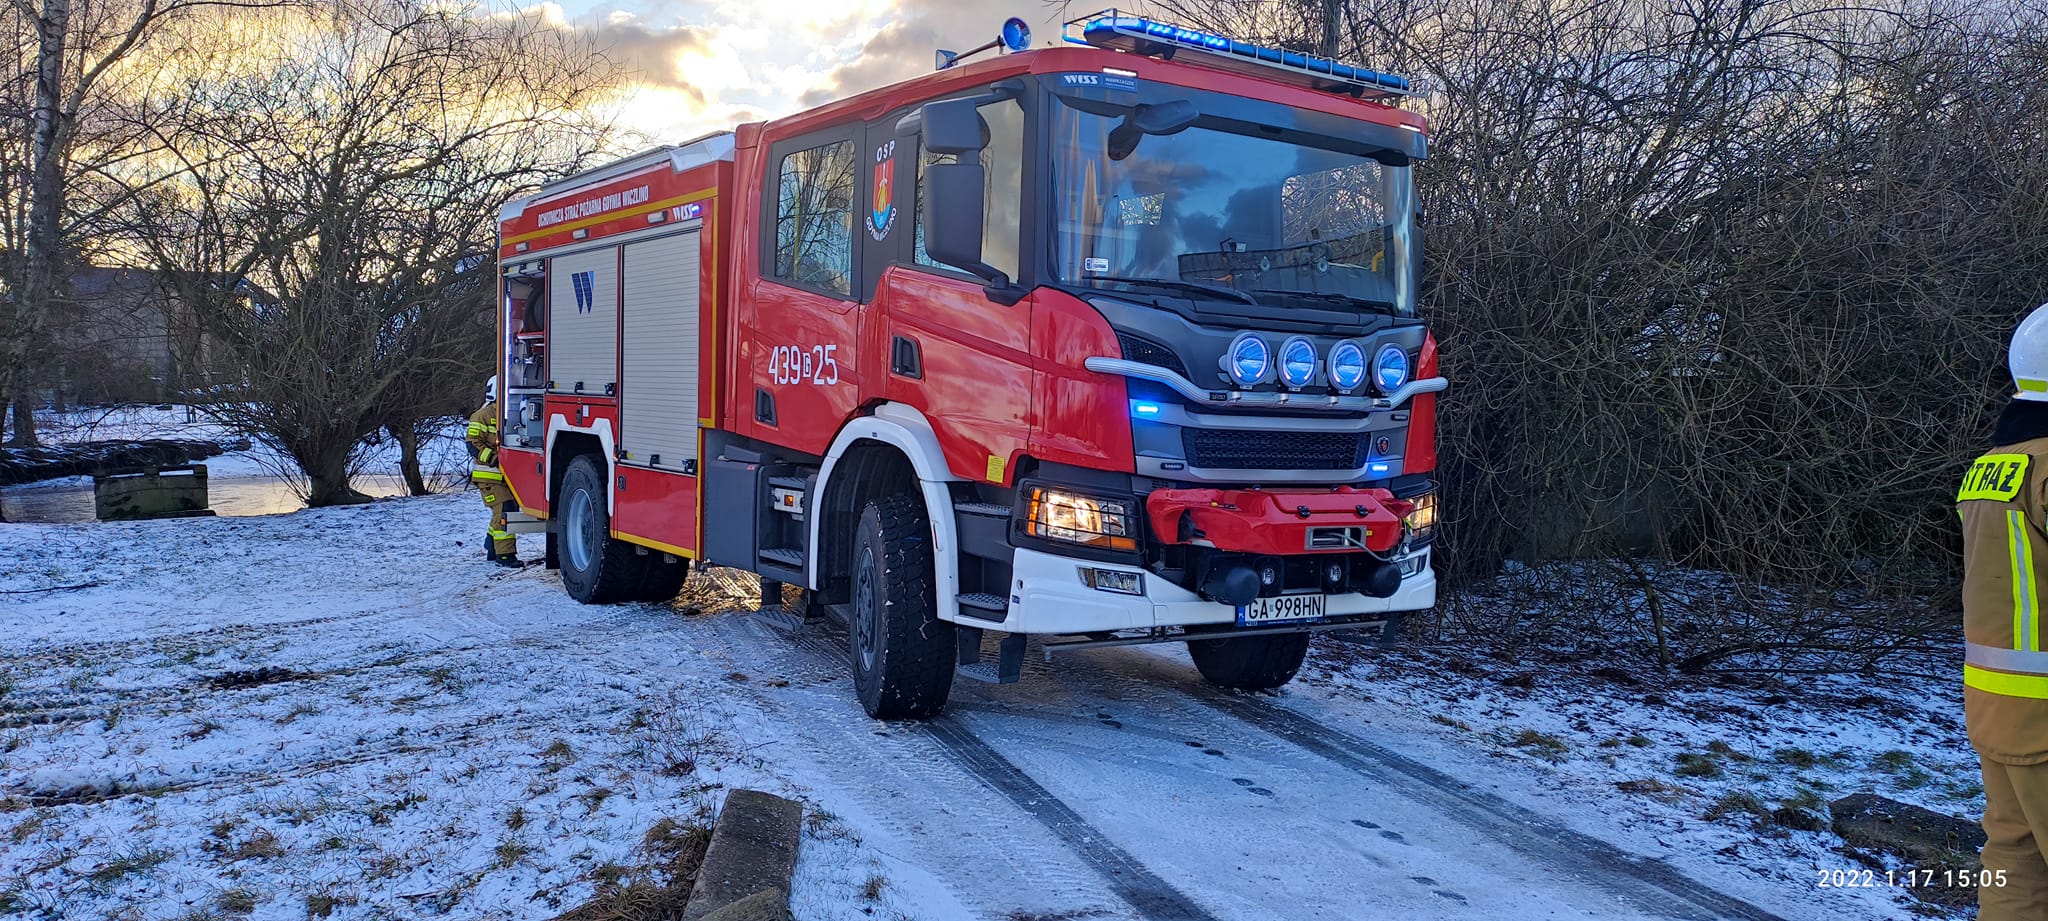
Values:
[(798, 368), (940, 343)]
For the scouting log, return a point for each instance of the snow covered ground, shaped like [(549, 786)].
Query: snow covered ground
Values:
[(347, 713)]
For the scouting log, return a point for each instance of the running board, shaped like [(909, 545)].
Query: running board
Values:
[(1384, 630), (1006, 669)]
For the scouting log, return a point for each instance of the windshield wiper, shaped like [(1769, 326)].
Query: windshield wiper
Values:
[(1178, 284), (1344, 299)]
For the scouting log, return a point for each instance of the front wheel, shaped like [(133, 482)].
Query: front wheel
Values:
[(595, 568), (1250, 663), (903, 653)]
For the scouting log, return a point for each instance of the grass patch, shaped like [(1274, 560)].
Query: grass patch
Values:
[(1450, 721), (557, 756), (1906, 774), (141, 861), (26, 828), (1546, 746), (1728, 751), (1796, 757), (517, 819), (261, 844), (510, 852), (673, 850), (1694, 764), (1736, 803), (594, 797), (1653, 788), (237, 901), (1638, 740), (872, 889), (322, 904)]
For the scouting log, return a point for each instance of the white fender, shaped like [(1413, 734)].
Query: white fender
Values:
[(908, 431), (602, 428)]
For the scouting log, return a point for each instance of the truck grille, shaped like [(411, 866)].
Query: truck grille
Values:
[(1222, 449), (1139, 348)]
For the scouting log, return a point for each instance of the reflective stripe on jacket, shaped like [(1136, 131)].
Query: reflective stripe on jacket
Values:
[(2005, 550), (482, 438)]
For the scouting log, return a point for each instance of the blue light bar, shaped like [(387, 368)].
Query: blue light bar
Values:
[(1144, 408), (1136, 34)]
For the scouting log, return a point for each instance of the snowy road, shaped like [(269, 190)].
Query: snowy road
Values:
[(435, 737)]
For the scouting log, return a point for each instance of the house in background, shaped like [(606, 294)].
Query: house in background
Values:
[(122, 335)]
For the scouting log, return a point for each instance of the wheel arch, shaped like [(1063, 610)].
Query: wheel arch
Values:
[(893, 449)]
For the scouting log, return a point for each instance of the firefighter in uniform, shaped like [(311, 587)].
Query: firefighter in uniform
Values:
[(2004, 507), (501, 547)]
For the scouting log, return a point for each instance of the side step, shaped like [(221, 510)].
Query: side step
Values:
[(521, 523), (1006, 669)]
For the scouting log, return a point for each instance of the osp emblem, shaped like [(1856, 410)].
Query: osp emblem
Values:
[(883, 215), (585, 284)]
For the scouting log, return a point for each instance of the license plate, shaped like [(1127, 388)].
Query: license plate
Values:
[(1284, 608)]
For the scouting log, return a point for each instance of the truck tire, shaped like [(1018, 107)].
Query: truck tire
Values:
[(1250, 663), (660, 580), (902, 652), (595, 568)]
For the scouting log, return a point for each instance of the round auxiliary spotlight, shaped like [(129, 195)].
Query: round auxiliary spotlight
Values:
[(1347, 365), (1297, 362), (1249, 360), (1390, 368), (1016, 34)]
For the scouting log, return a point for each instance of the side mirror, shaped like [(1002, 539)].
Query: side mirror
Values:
[(953, 126), (953, 219)]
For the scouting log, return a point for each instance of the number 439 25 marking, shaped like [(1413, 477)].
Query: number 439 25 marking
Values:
[(795, 364)]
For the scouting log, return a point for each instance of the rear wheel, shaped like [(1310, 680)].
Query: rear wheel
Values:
[(1250, 663), (595, 568), (902, 652)]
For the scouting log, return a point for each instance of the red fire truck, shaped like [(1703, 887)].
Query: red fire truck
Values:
[(1113, 342)]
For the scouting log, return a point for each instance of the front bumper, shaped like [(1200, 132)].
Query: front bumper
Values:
[(1048, 595)]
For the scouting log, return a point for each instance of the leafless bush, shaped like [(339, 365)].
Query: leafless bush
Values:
[(1719, 283)]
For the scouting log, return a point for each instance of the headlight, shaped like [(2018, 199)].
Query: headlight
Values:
[(1390, 368), (1347, 365), (1297, 362), (1092, 521), (1248, 360), (1424, 516)]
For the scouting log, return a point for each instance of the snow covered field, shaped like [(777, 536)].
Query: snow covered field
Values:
[(347, 713)]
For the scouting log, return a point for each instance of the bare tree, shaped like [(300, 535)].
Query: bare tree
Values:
[(335, 197), (1722, 284)]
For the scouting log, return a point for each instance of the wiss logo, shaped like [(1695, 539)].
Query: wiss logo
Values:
[(1081, 79), (586, 290)]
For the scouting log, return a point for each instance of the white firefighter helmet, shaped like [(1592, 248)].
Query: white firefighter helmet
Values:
[(491, 390), (2028, 356)]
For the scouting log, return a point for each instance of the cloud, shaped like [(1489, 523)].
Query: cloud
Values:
[(651, 55), (903, 47)]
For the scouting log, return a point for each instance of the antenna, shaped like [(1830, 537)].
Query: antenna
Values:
[(1014, 37)]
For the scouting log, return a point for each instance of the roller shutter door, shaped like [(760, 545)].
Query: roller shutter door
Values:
[(583, 321), (658, 403)]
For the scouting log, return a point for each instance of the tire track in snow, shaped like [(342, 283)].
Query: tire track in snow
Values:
[(1152, 897), (1644, 883), (1128, 877)]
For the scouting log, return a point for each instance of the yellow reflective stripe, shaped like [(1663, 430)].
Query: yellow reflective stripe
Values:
[(476, 428), (2005, 684), (1996, 477), (2025, 596), (500, 535), (486, 475)]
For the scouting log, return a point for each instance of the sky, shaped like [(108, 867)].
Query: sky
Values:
[(706, 65)]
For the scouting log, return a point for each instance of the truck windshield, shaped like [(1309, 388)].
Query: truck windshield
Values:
[(1220, 203)]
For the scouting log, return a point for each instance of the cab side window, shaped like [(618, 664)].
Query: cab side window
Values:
[(814, 218), (1002, 163)]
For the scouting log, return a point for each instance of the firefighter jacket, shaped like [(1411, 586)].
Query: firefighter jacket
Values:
[(2003, 503), (482, 438)]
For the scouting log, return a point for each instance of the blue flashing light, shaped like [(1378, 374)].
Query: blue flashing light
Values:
[(1250, 358), (1016, 34), (1144, 408), (1347, 366), (1297, 362), (1379, 468), (1390, 368), (1113, 29)]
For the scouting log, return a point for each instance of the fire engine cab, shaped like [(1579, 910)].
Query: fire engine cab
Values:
[(1113, 342)]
